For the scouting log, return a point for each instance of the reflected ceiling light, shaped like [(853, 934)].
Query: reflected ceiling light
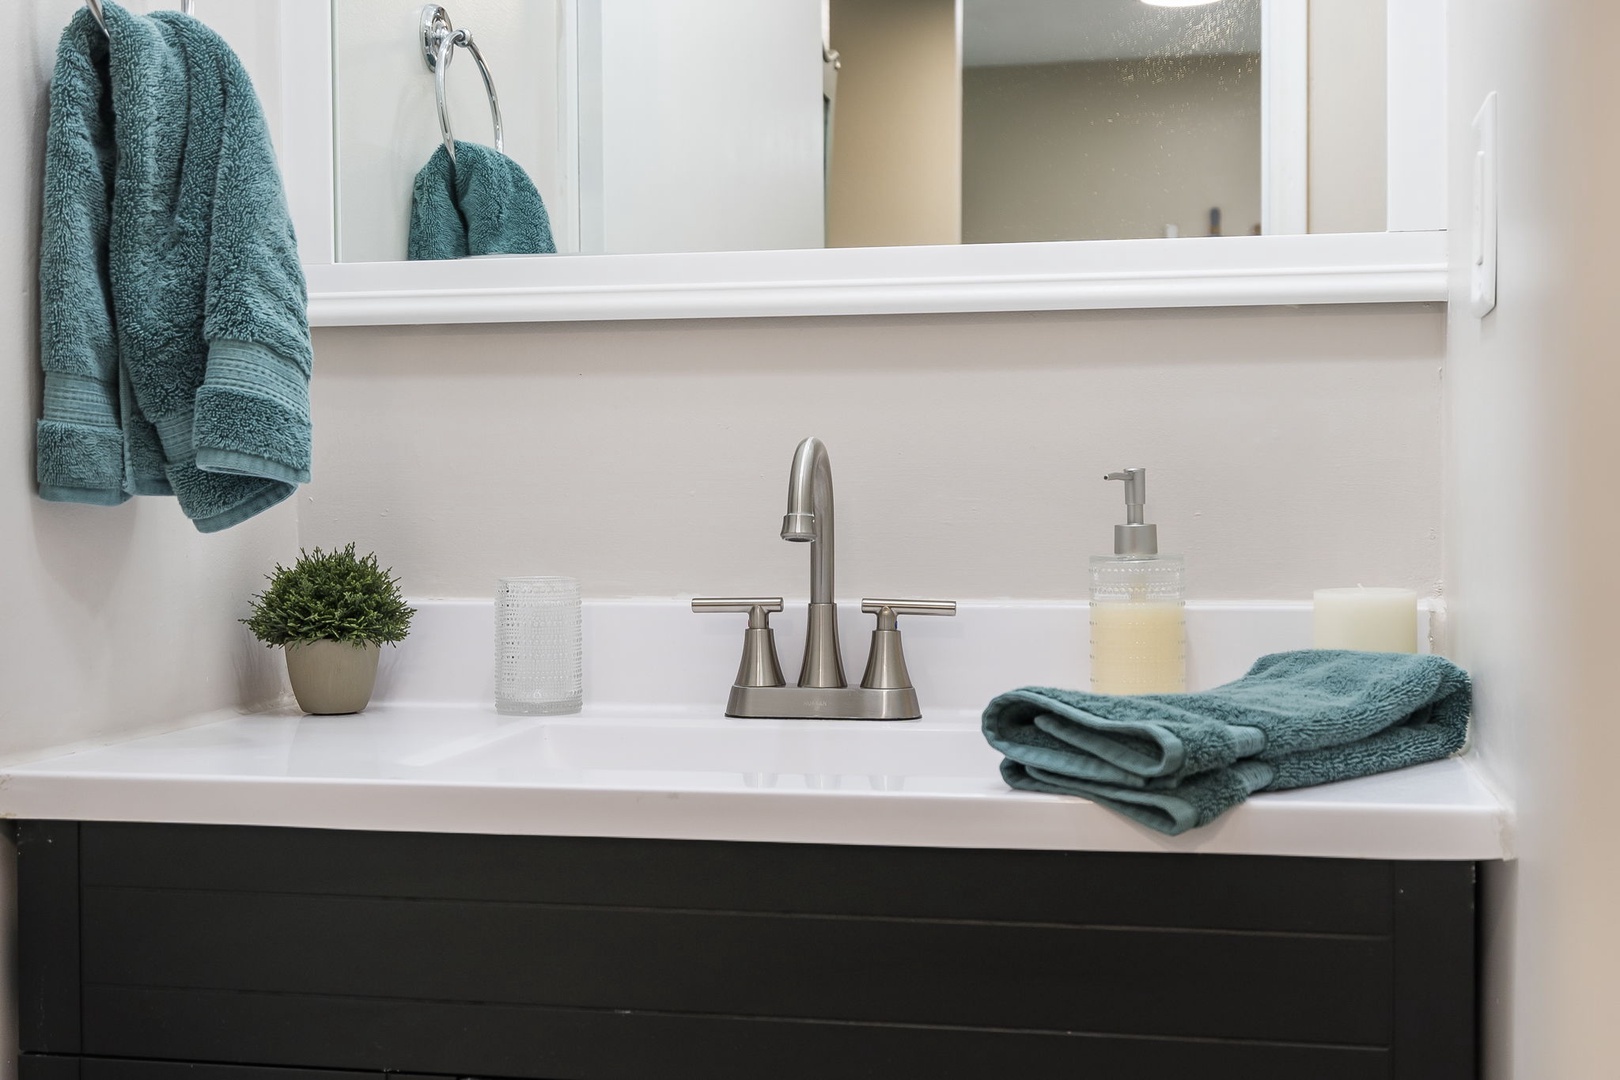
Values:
[(1177, 3)]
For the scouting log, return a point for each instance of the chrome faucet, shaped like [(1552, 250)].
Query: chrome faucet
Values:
[(822, 693), (809, 519)]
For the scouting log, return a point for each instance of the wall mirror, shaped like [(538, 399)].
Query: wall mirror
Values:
[(733, 157)]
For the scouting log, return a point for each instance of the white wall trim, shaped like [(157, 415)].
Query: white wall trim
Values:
[(1417, 115), (1285, 113), (1187, 272)]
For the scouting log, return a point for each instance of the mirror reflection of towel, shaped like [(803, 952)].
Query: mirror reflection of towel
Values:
[(482, 203)]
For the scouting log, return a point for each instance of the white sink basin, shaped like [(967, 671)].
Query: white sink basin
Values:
[(766, 753)]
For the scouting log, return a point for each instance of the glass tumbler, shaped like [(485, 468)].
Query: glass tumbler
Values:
[(539, 660)]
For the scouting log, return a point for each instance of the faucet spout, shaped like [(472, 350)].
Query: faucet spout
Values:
[(809, 519)]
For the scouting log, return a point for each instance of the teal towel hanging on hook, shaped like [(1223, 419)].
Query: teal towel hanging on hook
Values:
[(174, 331)]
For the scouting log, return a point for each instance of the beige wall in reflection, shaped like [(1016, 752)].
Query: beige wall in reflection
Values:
[(896, 175), (1348, 156), (1120, 149), (1110, 149)]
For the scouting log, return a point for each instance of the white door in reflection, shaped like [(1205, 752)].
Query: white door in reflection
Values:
[(700, 125)]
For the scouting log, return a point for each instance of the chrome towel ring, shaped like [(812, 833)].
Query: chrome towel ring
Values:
[(187, 6), (439, 40)]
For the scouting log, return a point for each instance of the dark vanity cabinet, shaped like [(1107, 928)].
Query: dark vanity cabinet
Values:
[(191, 952)]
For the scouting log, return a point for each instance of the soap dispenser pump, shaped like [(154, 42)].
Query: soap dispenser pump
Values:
[(1138, 621)]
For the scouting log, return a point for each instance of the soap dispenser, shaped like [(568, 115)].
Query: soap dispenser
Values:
[(1138, 623)]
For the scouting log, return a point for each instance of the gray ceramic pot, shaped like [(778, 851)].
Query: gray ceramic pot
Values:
[(331, 677)]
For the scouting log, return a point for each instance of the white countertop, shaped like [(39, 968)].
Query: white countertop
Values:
[(652, 756), (689, 773)]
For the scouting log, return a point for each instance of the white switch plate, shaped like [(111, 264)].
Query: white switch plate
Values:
[(1482, 267)]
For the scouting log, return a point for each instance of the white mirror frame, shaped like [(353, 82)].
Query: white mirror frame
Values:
[(1404, 265)]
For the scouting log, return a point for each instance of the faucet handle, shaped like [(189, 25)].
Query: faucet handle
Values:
[(887, 610), (759, 665), (757, 608), (886, 663)]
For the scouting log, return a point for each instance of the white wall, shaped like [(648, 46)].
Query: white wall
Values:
[(1502, 608), (387, 113), (1289, 449), (1531, 519), (113, 619), (700, 125)]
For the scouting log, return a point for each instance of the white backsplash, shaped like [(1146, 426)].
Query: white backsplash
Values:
[(659, 653)]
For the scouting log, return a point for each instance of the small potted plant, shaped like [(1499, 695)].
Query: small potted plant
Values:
[(331, 613)]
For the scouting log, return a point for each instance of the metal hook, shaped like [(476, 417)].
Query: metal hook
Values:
[(188, 7)]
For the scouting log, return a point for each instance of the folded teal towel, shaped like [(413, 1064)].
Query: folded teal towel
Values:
[(1177, 761), (483, 203), (178, 237)]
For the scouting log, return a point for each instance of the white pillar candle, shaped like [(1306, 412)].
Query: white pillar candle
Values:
[(1375, 620)]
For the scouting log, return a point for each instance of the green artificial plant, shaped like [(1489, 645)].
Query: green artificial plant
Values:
[(331, 596)]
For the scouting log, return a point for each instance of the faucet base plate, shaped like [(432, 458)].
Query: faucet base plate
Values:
[(822, 703)]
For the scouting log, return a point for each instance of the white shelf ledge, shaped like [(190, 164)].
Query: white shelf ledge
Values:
[(1350, 268)]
